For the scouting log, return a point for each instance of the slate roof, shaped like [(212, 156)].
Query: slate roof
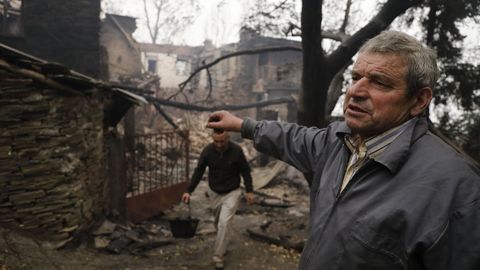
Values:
[(40, 70)]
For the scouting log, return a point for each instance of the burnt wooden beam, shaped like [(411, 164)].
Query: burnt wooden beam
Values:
[(38, 77)]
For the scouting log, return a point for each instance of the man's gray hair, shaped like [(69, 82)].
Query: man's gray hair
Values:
[(422, 70)]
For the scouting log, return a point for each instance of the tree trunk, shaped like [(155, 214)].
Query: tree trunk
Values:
[(316, 77)]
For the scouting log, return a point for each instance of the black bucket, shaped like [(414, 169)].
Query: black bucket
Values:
[(183, 228)]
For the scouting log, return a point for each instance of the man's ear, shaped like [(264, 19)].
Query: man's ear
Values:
[(420, 101)]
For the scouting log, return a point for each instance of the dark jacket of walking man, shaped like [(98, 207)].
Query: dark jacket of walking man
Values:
[(226, 162), (386, 192)]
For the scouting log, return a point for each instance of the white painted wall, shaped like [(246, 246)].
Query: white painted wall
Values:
[(166, 68)]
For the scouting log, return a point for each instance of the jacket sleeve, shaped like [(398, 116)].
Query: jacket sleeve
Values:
[(296, 145), (198, 172), (458, 247)]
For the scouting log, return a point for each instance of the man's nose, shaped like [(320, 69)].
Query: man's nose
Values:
[(359, 89)]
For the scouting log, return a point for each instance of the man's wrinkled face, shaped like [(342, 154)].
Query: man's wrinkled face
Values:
[(220, 140), (377, 98)]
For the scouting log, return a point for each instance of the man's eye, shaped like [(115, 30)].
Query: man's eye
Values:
[(380, 83)]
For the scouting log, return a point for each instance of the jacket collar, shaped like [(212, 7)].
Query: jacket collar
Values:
[(395, 155)]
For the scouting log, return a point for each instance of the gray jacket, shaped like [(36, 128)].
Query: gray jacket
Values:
[(416, 206)]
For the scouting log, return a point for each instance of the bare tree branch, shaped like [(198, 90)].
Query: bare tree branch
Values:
[(336, 85), (210, 86), (335, 90), (237, 53), (191, 107), (277, 7), (165, 18), (147, 17), (338, 36), (346, 17), (156, 27), (165, 115), (170, 121), (389, 11), (295, 30)]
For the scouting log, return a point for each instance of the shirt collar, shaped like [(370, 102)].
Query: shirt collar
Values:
[(399, 147), (376, 144)]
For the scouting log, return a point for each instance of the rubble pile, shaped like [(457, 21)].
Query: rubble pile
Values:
[(266, 235), (136, 239)]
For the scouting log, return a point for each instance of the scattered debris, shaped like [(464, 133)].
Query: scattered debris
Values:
[(274, 203), (265, 225), (283, 241), (263, 194), (152, 240), (136, 239), (107, 227), (262, 176)]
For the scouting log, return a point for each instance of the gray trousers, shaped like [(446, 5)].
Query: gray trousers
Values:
[(224, 208)]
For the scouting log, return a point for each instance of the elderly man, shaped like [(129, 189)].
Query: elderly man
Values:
[(226, 162), (386, 192)]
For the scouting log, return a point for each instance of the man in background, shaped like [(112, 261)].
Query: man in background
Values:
[(226, 163)]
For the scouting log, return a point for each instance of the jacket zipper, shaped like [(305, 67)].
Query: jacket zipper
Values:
[(356, 178)]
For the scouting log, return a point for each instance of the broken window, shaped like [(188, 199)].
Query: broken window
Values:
[(181, 68), (152, 65), (10, 17), (263, 59)]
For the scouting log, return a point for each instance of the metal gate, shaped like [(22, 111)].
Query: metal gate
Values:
[(159, 175)]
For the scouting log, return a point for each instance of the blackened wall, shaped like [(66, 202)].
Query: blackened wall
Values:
[(63, 31)]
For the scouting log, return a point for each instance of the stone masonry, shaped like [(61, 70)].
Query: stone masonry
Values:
[(52, 160)]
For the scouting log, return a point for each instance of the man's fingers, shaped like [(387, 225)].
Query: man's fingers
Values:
[(216, 116), (186, 198)]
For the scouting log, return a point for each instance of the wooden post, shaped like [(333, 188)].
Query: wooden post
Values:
[(129, 144), (117, 178)]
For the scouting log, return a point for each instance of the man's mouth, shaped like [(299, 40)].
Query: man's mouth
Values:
[(356, 108)]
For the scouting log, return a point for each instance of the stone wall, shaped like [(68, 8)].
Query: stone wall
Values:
[(61, 31), (52, 161)]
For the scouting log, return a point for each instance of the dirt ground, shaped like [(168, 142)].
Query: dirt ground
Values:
[(244, 252)]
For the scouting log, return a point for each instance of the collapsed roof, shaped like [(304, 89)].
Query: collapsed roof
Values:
[(63, 79)]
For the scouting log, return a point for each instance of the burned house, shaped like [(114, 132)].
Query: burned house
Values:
[(122, 51), (53, 153), (242, 79), (270, 75), (172, 63)]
